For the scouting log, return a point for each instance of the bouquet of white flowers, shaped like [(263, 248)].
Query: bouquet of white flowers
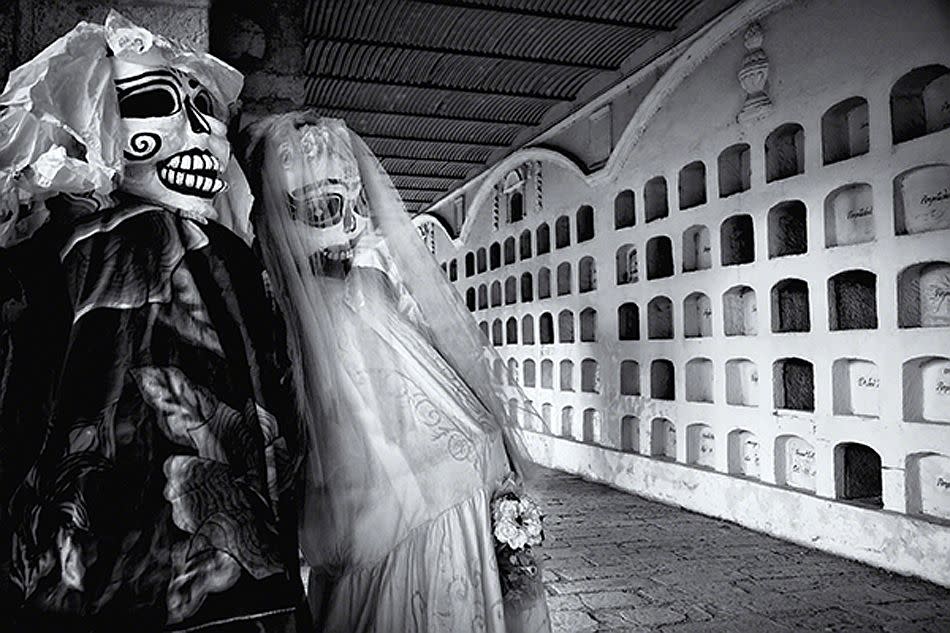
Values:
[(517, 527)]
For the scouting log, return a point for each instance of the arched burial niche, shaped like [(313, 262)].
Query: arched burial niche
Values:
[(542, 236), (794, 463), (470, 299), (919, 103), (562, 232), (858, 474), (928, 485), (625, 214), (494, 255), (511, 291), (497, 331), (628, 322), (629, 378), (547, 374), (544, 283), (590, 376), (927, 389), (854, 387), (845, 130), (790, 307), (699, 380), (482, 297), (655, 200), (852, 301), (566, 373), (785, 152), (692, 185), (546, 328), (659, 257), (588, 320), (565, 326), (564, 279), (527, 288), (527, 330), (630, 434), (697, 315), (591, 426), (567, 422), (849, 215), (660, 318), (697, 253), (509, 250), (546, 417), (585, 223), (662, 385), (742, 383), (511, 331), (529, 373), (469, 264), (793, 384), (495, 293), (739, 313), (454, 270), (737, 240), (735, 170), (483, 326), (922, 199), (524, 245), (700, 446), (512, 372), (627, 270), (662, 438), (743, 457), (586, 274), (788, 230), (923, 295)]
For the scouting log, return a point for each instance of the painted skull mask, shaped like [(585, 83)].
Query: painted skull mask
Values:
[(174, 145), (324, 189)]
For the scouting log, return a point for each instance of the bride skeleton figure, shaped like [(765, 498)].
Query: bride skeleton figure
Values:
[(407, 440)]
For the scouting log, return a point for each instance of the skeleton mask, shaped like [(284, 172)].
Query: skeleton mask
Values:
[(324, 190), (175, 145)]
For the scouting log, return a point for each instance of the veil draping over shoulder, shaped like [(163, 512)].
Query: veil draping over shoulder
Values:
[(378, 340)]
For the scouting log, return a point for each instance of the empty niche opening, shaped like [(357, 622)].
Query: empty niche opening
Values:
[(590, 376), (470, 299), (788, 230), (922, 199), (928, 485), (480, 258), (546, 410), (852, 301), (926, 389), (630, 434), (547, 374), (483, 326), (923, 295), (628, 322), (627, 269), (739, 312), (524, 245), (743, 453), (527, 288), (567, 422), (858, 474), (586, 274), (527, 330), (655, 201), (662, 385), (543, 239), (546, 329), (855, 387), (494, 255), (497, 332), (562, 232), (588, 319), (624, 210), (849, 215), (785, 152), (495, 294), (510, 250), (697, 254), (920, 103), (700, 446), (512, 372), (660, 318), (515, 206), (566, 373), (662, 438), (454, 270), (511, 291), (629, 378), (735, 170), (469, 264), (565, 326), (794, 463), (737, 240), (742, 383), (790, 307), (699, 380), (564, 279), (692, 185), (659, 257), (482, 296), (585, 223), (793, 384), (845, 130), (697, 315), (544, 283), (511, 331), (591, 429), (529, 376)]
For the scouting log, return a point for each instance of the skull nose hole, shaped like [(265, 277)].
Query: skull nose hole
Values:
[(199, 125), (349, 219)]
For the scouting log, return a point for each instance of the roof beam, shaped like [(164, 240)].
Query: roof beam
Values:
[(421, 189), (549, 15), (454, 161), (531, 122), (446, 141), (441, 88)]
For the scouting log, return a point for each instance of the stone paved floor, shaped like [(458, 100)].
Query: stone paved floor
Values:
[(616, 562)]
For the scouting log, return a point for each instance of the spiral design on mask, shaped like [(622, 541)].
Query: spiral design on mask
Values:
[(143, 146)]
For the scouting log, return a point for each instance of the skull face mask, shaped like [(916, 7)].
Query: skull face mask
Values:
[(175, 147)]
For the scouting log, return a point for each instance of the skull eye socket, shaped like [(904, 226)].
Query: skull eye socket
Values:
[(318, 211), (204, 103), (156, 100)]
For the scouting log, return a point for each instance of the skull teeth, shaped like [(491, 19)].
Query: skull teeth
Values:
[(194, 162), (196, 183)]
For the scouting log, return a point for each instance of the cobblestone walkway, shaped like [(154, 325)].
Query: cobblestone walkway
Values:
[(616, 562)]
